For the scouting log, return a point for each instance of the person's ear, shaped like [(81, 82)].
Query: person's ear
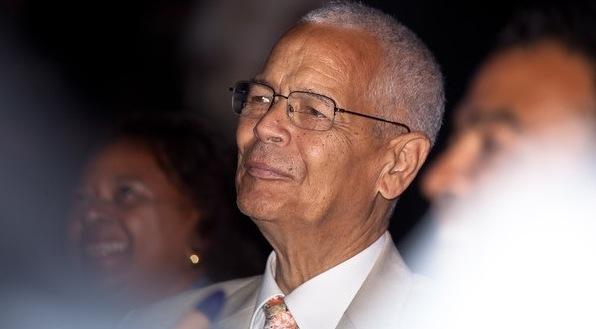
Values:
[(403, 158), (195, 245)]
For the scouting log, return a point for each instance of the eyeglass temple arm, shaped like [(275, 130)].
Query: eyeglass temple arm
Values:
[(375, 118)]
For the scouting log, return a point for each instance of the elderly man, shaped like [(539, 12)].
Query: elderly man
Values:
[(540, 78), (330, 133)]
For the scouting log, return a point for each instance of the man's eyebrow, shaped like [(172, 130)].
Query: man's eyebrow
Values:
[(310, 90), (260, 80), (265, 82), (476, 117)]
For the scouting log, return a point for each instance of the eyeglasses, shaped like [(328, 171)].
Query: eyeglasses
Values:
[(305, 109)]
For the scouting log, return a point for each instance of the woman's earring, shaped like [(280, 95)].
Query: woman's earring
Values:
[(194, 258)]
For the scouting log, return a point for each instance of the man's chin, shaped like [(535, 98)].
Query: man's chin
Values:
[(261, 206), (256, 209)]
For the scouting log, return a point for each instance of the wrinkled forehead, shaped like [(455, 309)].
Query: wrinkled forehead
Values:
[(347, 55), (353, 42)]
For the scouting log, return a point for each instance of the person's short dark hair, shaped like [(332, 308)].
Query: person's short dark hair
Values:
[(572, 24), (194, 162)]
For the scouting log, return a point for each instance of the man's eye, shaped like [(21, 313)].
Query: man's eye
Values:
[(498, 139), (314, 112), (490, 146), (259, 99)]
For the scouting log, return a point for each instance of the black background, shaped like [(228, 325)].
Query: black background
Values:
[(113, 57)]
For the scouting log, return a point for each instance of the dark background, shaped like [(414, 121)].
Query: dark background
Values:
[(74, 67)]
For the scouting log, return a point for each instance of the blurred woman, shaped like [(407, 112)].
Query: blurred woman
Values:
[(154, 214)]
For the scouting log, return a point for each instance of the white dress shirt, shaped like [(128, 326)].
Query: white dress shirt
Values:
[(320, 302)]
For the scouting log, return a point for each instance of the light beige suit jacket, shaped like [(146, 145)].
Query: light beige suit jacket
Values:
[(389, 295)]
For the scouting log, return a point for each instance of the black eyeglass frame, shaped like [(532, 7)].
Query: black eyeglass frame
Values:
[(335, 108)]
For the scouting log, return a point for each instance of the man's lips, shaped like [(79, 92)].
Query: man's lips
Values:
[(264, 171)]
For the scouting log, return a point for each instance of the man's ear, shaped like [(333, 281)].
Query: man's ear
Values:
[(403, 158)]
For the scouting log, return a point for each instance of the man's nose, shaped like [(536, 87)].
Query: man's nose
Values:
[(451, 176), (273, 127)]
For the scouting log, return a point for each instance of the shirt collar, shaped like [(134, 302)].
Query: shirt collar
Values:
[(321, 301)]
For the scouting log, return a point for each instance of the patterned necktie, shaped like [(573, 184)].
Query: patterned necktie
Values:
[(277, 315)]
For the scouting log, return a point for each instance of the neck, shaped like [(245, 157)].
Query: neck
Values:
[(304, 251)]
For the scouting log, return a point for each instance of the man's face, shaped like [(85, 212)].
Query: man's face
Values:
[(519, 93), (309, 177)]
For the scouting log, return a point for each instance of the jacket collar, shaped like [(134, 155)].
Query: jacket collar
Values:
[(380, 301)]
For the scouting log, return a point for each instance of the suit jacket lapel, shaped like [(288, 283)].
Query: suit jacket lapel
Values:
[(378, 304), (383, 294), (345, 323)]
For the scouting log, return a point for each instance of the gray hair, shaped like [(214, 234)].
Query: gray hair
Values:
[(409, 77)]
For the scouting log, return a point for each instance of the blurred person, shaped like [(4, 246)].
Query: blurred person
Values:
[(541, 75), (513, 195), (519, 251), (153, 215), (331, 133), (40, 146)]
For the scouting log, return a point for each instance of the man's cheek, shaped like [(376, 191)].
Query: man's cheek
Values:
[(245, 130)]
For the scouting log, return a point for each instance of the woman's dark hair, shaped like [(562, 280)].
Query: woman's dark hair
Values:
[(194, 161)]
